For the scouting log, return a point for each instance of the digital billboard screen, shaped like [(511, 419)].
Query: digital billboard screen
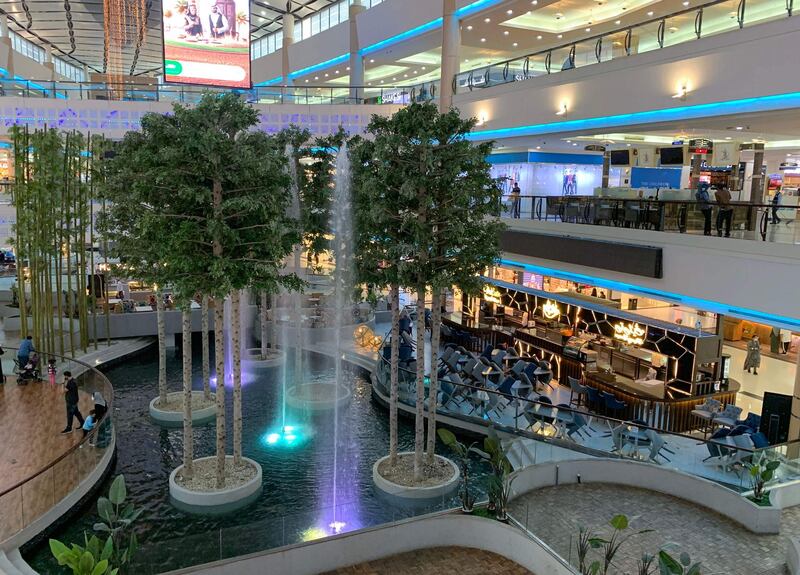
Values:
[(207, 42)]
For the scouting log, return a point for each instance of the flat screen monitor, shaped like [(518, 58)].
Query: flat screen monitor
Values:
[(671, 156), (621, 158), (207, 42)]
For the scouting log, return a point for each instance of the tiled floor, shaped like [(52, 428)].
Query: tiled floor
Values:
[(555, 514), (35, 414), (438, 561)]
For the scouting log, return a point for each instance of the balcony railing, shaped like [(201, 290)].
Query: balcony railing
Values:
[(305, 95), (31, 498), (708, 19), (749, 221)]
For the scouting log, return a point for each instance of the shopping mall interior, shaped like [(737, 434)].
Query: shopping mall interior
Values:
[(399, 286)]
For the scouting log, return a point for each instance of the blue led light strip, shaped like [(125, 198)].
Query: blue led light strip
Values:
[(321, 66), (414, 32), (742, 106), (702, 304), (476, 6), (277, 80)]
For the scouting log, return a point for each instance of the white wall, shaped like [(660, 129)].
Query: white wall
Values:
[(714, 67), (740, 273)]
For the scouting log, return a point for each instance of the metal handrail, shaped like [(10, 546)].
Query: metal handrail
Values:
[(547, 53), (106, 417)]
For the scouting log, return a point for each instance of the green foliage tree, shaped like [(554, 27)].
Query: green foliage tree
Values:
[(443, 197)]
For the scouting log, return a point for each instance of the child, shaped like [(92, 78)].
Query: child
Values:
[(88, 423), (52, 370)]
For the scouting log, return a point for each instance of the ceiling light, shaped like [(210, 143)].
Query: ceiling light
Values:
[(348, 68), (372, 60), (487, 20), (588, 29), (727, 137), (569, 141), (575, 144), (534, 2), (617, 22), (628, 145), (316, 77), (539, 37), (650, 13), (336, 71), (394, 79), (739, 128), (424, 67), (483, 39), (466, 59), (306, 80), (506, 33), (469, 27), (538, 147), (515, 44), (562, 110), (509, 12), (560, 36), (326, 74), (683, 91), (685, 2)]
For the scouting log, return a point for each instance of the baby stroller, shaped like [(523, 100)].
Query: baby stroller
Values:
[(28, 372)]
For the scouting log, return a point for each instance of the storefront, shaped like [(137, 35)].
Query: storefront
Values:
[(548, 174)]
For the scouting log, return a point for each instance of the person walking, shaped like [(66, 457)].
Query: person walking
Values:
[(52, 370), (725, 213), (786, 340), (704, 205), (753, 358), (515, 201), (776, 203), (25, 350), (71, 398)]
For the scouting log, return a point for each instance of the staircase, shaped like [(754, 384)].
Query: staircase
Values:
[(12, 563)]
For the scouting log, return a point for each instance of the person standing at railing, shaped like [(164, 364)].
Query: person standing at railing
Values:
[(704, 205), (25, 350), (725, 213), (776, 202), (71, 398), (515, 200)]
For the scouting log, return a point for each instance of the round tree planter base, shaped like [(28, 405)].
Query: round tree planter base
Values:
[(175, 418), (317, 396), (253, 357), (413, 494), (215, 502)]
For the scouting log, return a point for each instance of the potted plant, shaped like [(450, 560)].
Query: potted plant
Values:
[(608, 547), (668, 565), (499, 484), (462, 451), (760, 474)]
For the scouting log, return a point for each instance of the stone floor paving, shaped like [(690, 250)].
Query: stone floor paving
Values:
[(555, 515), (438, 561)]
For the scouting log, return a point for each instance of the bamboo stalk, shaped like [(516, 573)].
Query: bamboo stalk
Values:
[(90, 174), (69, 204)]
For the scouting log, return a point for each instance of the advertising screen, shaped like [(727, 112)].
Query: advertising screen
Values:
[(207, 42)]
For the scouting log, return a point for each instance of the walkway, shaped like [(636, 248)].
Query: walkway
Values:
[(437, 561), (555, 514)]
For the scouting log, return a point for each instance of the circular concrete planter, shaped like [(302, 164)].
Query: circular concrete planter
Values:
[(307, 396), (175, 418), (415, 493), (218, 501), (275, 357)]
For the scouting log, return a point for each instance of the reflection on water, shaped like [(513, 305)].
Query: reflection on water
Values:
[(297, 497)]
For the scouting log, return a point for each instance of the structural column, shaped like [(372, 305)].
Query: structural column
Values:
[(694, 178), (288, 40), (5, 40), (794, 424), (606, 169), (356, 61), (451, 45), (757, 184)]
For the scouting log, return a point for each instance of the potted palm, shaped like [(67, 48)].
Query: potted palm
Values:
[(462, 452)]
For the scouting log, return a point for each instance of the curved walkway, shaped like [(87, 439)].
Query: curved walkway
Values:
[(555, 515), (437, 561)]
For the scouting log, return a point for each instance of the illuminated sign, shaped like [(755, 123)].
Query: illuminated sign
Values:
[(491, 294), (207, 42), (630, 333), (550, 310)]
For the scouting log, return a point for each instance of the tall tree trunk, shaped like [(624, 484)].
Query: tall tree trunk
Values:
[(264, 302), (433, 394), (394, 361), (236, 317), (162, 349), (206, 362), (419, 423), (188, 434), (298, 323), (219, 358)]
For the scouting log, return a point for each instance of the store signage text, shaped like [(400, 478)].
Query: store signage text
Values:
[(550, 310), (630, 333), (491, 294)]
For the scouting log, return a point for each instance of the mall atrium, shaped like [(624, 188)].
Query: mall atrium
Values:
[(399, 287)]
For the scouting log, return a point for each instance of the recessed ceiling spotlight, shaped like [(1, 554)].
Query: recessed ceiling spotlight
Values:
[(405, 75), (424, 67), (534, 2), (727, 137), (538, 147), (348, 68), (539, 37), (515, 44), (628, 145), (483, 39), (306, 80), (506, 33), (372, 60), (487, 20), (588, 29), (316, 77), (469, 27), (685, 2), (509, 12), (336, 71), (560, 36), (394, 79), (650, 13), (617, 22), (569, 141), (326, 74), (575, 144), (739, 128)]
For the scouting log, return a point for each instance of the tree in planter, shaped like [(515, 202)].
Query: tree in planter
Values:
[(381, 223), (445, 196), (463, 452), (232, 232), (760, 474)]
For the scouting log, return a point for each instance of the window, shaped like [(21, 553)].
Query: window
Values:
[(26, 47), (71, 71)]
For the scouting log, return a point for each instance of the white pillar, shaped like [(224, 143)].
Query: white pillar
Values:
[(3, 27), (288, 40), (356, 61), (794, 424), (451, 46)]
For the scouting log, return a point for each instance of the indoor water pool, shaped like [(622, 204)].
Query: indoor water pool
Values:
[(311, 489)]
